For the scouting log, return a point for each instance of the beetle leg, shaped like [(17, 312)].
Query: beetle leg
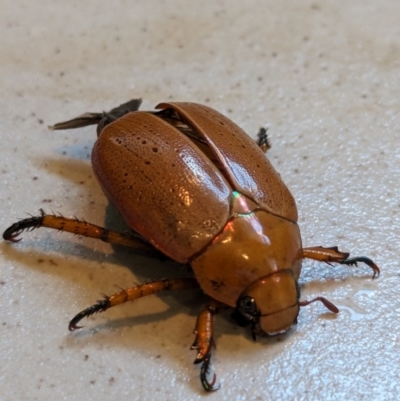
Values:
[(132, 293), (263, 140), (333, 254), (75, 226), (203, 343), (81, 121), (94, 118)]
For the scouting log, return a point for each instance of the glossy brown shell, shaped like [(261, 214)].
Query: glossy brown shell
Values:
[(175, 194), (164, 187), (251, 246), (246, 166)]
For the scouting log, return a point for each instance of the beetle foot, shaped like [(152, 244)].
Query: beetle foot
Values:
[(333, 255), (100, 306), (367, 261), (203, 343), (12, 232), (263, 141), (205, 372)]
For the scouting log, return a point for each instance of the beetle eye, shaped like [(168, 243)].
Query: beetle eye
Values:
[(247, 306)]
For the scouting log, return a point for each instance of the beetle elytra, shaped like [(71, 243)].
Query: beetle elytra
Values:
[(192, 185)]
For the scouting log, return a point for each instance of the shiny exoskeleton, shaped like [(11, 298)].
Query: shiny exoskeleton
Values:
[(193, 186)]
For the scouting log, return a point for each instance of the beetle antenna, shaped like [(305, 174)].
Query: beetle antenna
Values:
[(328, 304)]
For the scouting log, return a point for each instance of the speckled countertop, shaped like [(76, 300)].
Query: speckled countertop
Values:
[(322, 75)]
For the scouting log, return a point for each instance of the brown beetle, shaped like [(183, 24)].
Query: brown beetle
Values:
[(221, 207)]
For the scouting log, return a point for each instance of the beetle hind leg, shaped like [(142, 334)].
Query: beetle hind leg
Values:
[(74, 226), (132, 293), (95, 118), (203, 343), (329, 255)]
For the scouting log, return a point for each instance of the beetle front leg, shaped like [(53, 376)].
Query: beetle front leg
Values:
[(132, 293), (75, 226), (203, 343), (333, 254)]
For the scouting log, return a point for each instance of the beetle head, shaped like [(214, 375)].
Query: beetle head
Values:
[(270, 304)]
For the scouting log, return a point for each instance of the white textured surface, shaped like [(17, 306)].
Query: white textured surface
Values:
[(324, 76)]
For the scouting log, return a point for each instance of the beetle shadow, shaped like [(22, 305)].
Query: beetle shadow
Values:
[(77, 171), (80, 150), (75, 167)]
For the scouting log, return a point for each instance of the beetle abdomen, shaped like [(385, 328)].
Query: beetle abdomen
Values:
[(164, 187), (245, 165)]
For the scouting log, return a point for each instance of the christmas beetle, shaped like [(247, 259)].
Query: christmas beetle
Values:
[(193, 186)]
